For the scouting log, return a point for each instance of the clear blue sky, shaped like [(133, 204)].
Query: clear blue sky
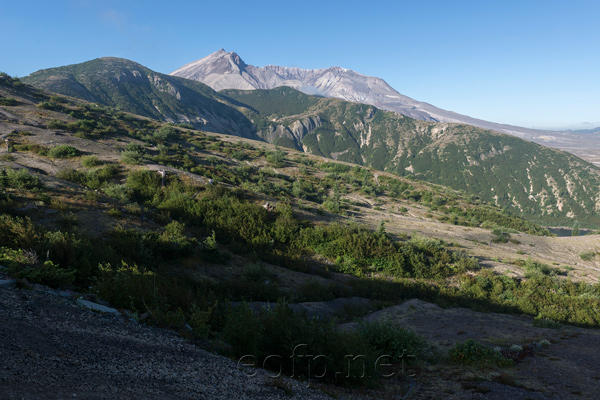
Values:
[(528, 63)]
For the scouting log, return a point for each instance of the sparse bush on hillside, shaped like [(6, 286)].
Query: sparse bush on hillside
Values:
[(63, 151), (46, 273), (133, 154), (542, 322), (20, 179), (56, 124), (477, 355), (333, 205), (587, 255), (71, 175), (210, 250), (277, 158), (256, 272), (90, 161), (132, 157), (500, 236), (164, 133), (119, 191), (8, 101), (94, 179), (387, 337), (533, 268), (290, 335), (335, 167), (115, 284), (173, 241), (50, 105)]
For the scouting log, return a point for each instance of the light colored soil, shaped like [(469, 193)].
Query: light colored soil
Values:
[(554, 251)]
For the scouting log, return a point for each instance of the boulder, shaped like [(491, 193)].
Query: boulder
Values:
[(98, 307), (8, 283)]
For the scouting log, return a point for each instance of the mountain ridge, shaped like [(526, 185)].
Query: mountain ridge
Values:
[(226, 70), (127, 85)]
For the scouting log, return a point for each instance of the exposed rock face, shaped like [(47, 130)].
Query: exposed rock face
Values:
[(296, 131), (226, 70)]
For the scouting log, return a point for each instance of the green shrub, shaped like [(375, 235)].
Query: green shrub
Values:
[(348, 265), (475, 354), (387, 337), (277, 158), (7, 101), (57, 124), (50, 105), (542, 322), (335, 167), (24, 265), (587, 255), (256, 272), (144, 183), (119, 191), (132, 157), (126, 286), (135, 147), (533, 268), (500, 236), (21, 179), (47, 273), (210, 250), (90, 161), (63, 151), (173, 242), (71, 175), (291, 336), (164, 133), (333, 205)]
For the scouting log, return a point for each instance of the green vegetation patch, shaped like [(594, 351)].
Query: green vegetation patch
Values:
[(477, 355), (63, 151)]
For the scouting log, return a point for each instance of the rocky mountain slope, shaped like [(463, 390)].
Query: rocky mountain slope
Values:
[(226, 70), (131, 87)]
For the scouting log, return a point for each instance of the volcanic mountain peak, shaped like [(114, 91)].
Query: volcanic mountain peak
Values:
[(226, 70)]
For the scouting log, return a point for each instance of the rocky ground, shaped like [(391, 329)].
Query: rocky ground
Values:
[(52, 348)]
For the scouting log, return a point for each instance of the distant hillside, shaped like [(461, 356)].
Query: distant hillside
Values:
[(131, 87), (531, 179)]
